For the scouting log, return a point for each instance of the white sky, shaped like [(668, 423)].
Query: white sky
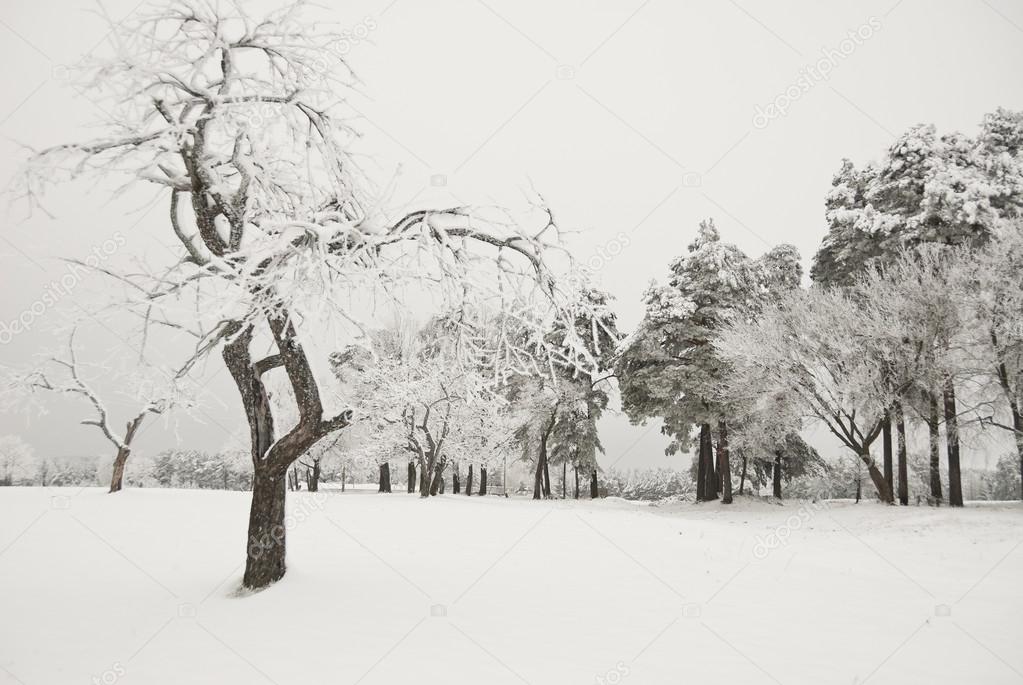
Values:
[(630, 117)]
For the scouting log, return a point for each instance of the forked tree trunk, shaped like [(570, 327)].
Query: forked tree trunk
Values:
[(411, 476), (594, 489), (724, 467), (468, 482), (271, 459), (955, 483), (385, 477), (776, 474), (935, 451), (886, 450), (742, 477), (900, 431), (483, 480)]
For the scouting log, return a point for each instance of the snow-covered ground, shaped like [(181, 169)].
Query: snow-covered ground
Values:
[(141, 588)]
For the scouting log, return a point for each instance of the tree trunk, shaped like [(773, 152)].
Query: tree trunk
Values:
[(705, 468), (742, 477), (886, 450), (117, 476), (776, 474), (576, 468), (483, 480), (424, 480), (935, 447), (313, 481), (883, 492), (438, 475), (411, 485), (456, 487), (594, 489), (468, 482), (900, 430), (955, 483), (564, 479), (264, 563), (385, 477), (344, 476), (724, 467)]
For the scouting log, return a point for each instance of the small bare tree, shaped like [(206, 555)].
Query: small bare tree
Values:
[(157, 392)]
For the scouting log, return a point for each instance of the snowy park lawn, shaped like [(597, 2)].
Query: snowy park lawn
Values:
[(141, 587)]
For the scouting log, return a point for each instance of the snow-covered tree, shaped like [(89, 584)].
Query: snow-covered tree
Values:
[(277, 228), (154, 391), (17, 463), (668, 368)]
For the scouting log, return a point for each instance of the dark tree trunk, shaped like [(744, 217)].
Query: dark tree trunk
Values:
[(724, 467), (886, 450), (576, 469), (483, 480), (707, 481), (742, 477), (385, 477), (594, 488), (424, 479), (266, 544), (456, 486), (438, 476), (883, 491), (313, 478), (468, 482), (564, 480), (900, 430), (955, 483), (935, 450), (117, 476), (776, 474), (411, 485)]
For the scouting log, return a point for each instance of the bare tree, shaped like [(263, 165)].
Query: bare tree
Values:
[(64, 374)]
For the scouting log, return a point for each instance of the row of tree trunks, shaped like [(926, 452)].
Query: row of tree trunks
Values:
[(385, 477)]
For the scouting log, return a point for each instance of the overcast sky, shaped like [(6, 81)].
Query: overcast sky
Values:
[(634, 119)]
